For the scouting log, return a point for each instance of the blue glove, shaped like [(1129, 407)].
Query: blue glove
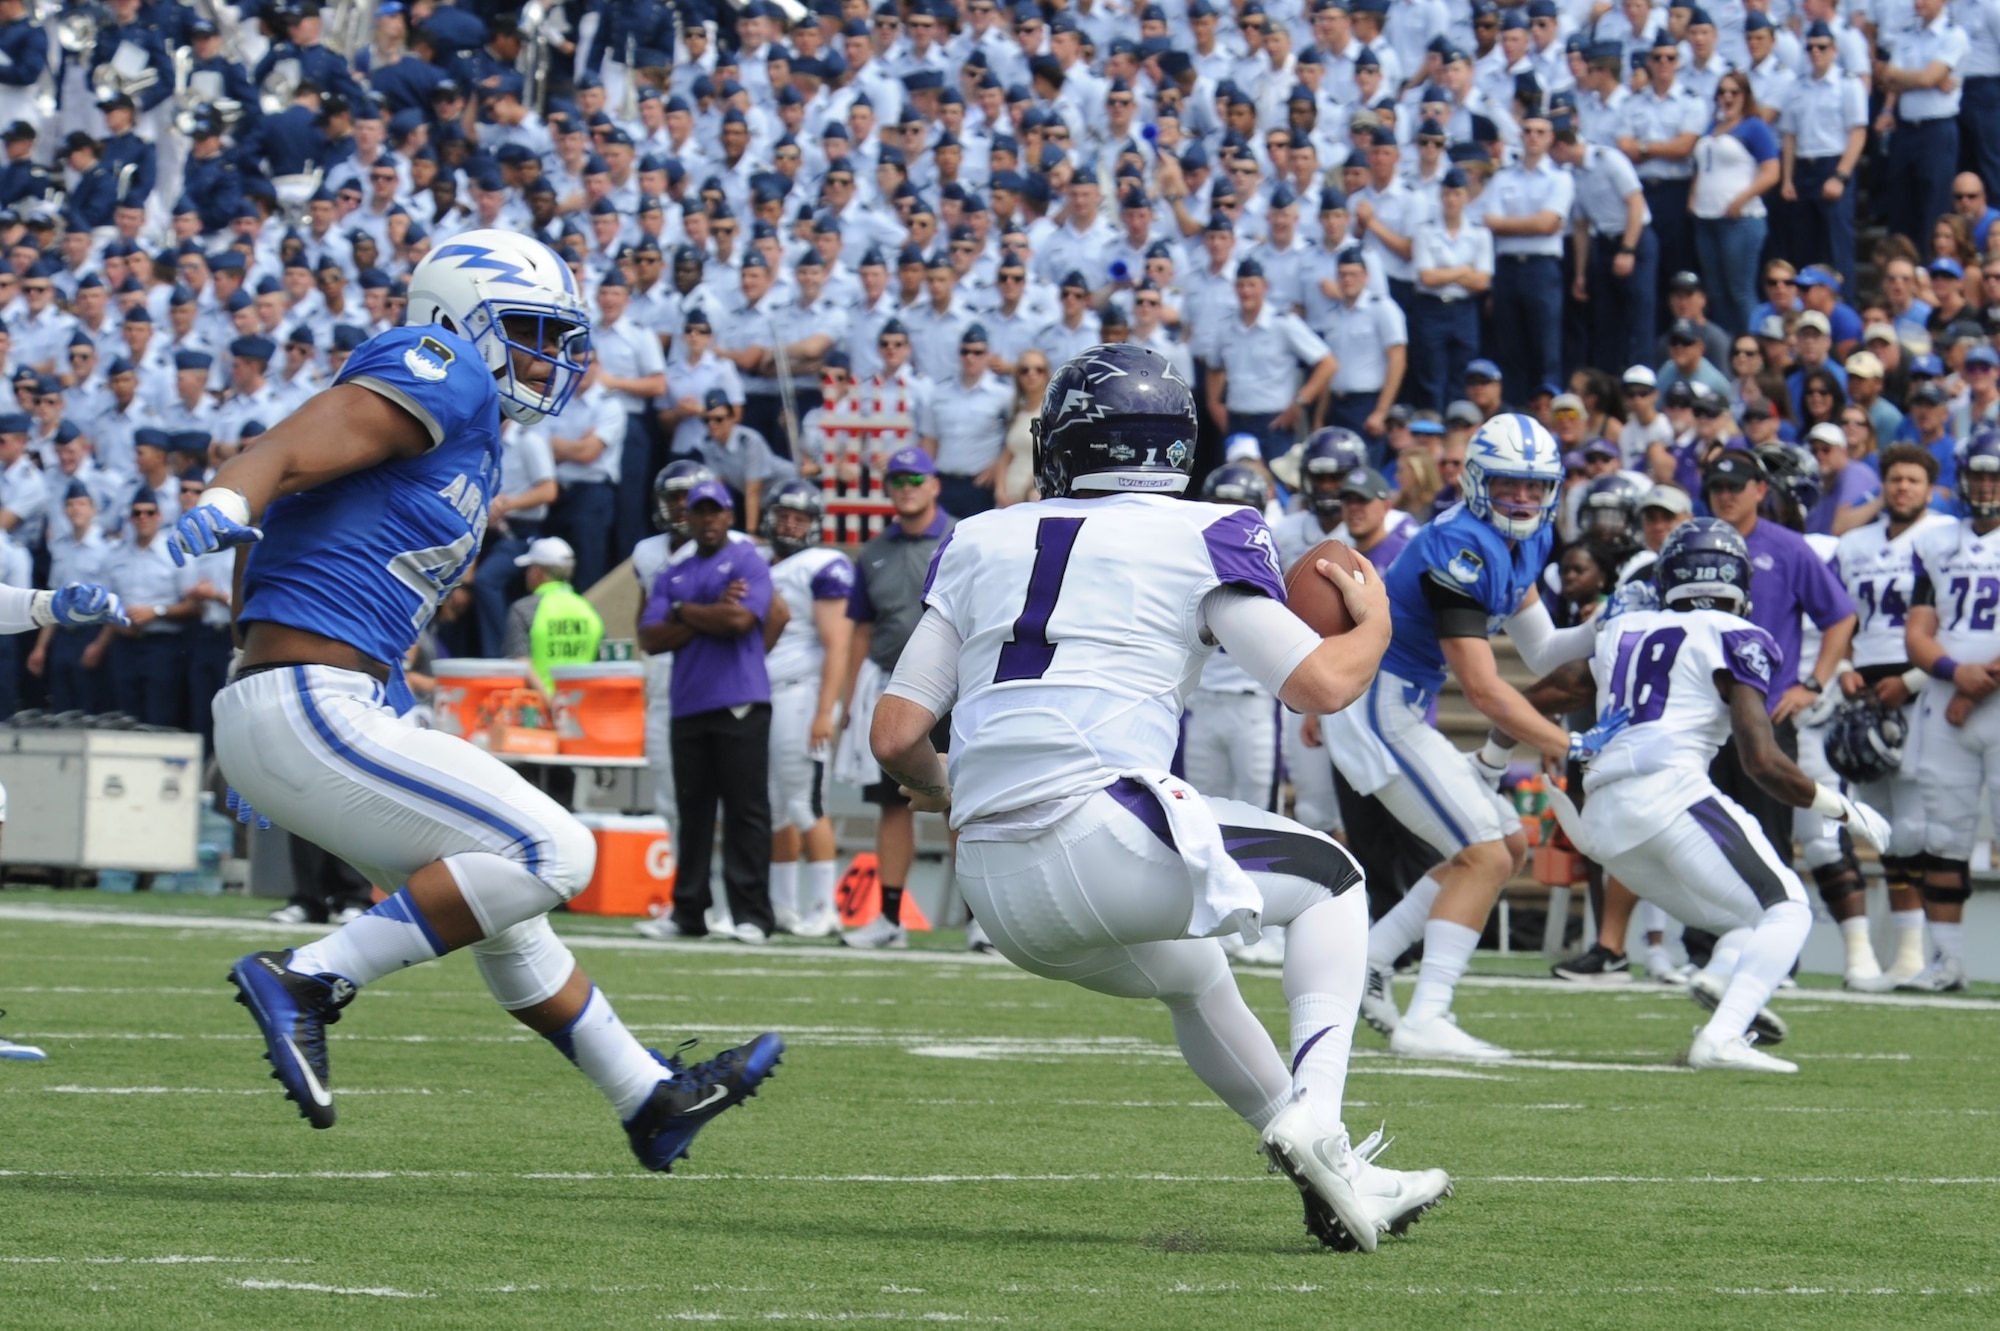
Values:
[(1586, 744), (203, 530), (244, 813), (87, 603)]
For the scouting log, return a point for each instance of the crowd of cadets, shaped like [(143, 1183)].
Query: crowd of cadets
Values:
[(1392, 217)]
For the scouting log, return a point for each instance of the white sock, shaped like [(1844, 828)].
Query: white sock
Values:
[(1447, 952), (1326, 969), (784, 885), (1908, 921), (1860, 950), (618, 1065), (1767, 954), (384, 939), (820, 878), (1229, 1049), (1910, 954), (1392, 935), (1950, 939), (1728, 954)]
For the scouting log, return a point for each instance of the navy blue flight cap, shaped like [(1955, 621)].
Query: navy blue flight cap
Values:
[(346, 337), (193, 360), (253, 348)]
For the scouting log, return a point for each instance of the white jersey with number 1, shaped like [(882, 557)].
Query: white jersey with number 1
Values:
[(1081, 677)]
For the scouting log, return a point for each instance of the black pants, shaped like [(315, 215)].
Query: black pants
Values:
[(719, 755), (1773, 815), (72, 687), (323, 884), (149, 672), (1390, 854)]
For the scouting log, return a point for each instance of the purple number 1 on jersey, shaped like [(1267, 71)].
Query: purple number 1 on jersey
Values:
[(1031, 653), (1647, 694)]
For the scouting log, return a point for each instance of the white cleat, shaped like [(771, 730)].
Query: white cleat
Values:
[(1706, 990), (346, 915), (787, 919), (1872, 981), (751, 934), (1441, 1038), (976, 939), (819, 924), (877, 933), (1350, 1201), (1268, 950), (1670, 974), (661, 929), (290, 913), (1733, 1055), (1378, 1001), (721, 924), (1943, 976)]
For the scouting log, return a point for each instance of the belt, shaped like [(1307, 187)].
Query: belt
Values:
[(1529, 258), (1442, 300), (1928, 120)]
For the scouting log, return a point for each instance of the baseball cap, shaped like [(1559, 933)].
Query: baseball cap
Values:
[(1928, 393), (1242, 448), (1772, 329), (1759, 409), (710, 492), (1983, 354), (1463, 413), (910, 461), (1641, 376), (1864, 365), (1814, 322), (1684, 332), (1482, 369), (1600, 447), (1667, 498), (1568, 402), (1879, 332), (1826, 432), (546, 552), (1735, 468), (1364, 483), (1684, 281)]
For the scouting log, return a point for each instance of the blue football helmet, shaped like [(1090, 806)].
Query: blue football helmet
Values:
[(1512, 447), (670, 489), (1979, 457), (1794, 486), (1332, 451), (1235, 483), (1115, 417), (1704, 565), (1865, 742), (793, 496)]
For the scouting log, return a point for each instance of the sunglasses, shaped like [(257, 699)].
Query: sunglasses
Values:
[(145, 512), (905, 481), (972, 351), (1664, 58), (1817, 392), (1776, 281), (715, 417), (1819, 46), (1146, 301), (1740, 351), (892, 344)]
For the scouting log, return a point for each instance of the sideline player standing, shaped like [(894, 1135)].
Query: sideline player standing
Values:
[(1460, 580), (375, 494), (1693, 673), (1876, 563), (1059, 636), (1953, 615), (808, 667)]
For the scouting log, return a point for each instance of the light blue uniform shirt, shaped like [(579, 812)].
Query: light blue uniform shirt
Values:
[(970, 424), (1820, 112), (1919, 47), (1437, 247), (1651, 118), (1263, 358), (147, 575), (628, 350), (1360, 335), (1604, 180), (1522, 191)]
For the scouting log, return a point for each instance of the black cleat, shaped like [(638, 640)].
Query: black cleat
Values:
[(688, 1097), (293, 1011), (1596, 965)]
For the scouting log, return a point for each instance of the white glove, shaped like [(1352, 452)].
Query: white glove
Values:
[(1821, 709), (1866, 824)]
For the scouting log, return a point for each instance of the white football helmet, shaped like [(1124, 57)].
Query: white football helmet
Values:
[(478, 280), (1512, 446)]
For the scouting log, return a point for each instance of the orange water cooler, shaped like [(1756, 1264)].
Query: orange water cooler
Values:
[(601, 709), (636, 867), (463, 685)]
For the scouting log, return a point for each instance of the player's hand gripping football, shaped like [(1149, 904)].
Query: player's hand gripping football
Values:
[(86, 603), (1366, 596), (1586, 744), (219, 522)]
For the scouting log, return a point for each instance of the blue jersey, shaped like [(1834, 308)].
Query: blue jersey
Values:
[(365, 559), (1462, 554)]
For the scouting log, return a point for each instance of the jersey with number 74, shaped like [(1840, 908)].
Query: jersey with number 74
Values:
[(366, 559), (1081, 629)]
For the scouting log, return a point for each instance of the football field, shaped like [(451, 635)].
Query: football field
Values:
[(951, 1140)]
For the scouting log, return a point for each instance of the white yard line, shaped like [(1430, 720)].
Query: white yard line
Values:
[(369, 1291)]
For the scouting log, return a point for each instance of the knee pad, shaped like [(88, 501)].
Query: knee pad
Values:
[(1954, 893), (524, 965), (1903, 870), (570, 859), (1838, 881)]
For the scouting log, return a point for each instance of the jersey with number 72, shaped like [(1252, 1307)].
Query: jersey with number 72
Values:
[(366, 559), (1082, 634)]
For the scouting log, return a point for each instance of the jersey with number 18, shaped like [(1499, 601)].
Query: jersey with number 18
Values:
[(1082, 631), (366, 559)]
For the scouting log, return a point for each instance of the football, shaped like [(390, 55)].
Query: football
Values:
[(1314, 599)]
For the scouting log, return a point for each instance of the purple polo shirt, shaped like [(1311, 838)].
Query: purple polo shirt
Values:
[(1789, 582), (711, 672), (1851, 487)]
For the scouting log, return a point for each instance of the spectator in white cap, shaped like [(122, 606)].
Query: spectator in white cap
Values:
[(552, 625), (1850, 495), (1646, 427)]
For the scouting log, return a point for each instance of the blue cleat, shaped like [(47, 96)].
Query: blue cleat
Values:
[(294, 1010), (688, 1097)]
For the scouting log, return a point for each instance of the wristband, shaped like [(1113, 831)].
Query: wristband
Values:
[(41, 608), (229, 503), (1827, 803), (1914, 680), (1493, 755), (1944, 668)]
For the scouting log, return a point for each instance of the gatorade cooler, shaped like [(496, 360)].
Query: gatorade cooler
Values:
[(635, 866), (601, 709), (462, 686)]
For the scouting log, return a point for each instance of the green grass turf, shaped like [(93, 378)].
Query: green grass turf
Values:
[(476, 1180)]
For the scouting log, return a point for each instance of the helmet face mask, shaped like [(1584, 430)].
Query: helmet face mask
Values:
[(1237, 484), (1114, 418), (792, 515), (1513, 474), (515, 300), (1611, 509), (670, 490), (1978, 482)]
